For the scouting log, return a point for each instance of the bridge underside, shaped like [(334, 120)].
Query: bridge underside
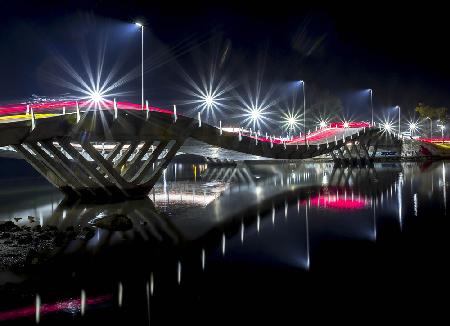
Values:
[(123, 155), (81, 169)]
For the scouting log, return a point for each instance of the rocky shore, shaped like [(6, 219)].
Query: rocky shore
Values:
[(21, 247)]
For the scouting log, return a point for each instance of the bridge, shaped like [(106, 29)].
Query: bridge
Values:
[(120, 150)]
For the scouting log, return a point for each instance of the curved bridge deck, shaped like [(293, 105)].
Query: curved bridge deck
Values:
[(123, 152)]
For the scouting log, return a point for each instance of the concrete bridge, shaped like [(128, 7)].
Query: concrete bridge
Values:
[(121, 151)]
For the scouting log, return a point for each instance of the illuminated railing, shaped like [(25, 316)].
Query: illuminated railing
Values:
[(70, 106)]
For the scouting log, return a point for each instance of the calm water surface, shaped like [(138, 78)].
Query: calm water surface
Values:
[(244, 243)]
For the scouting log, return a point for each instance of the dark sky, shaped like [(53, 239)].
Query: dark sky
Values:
[(400, 51)]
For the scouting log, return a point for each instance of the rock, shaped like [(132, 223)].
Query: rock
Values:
[(114, 222), (70, 228), (45, 236), (71, 235), (25, 239), (31, 219), (32, 257), (37, 228), (8, 226), (11, 254), (86, 234), (5, 235), (90, 232), (60, 239), (17, 219), (47, 228)]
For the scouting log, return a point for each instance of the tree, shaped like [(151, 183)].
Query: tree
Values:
[(433, 113)]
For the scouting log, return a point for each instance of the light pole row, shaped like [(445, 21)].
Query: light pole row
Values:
[(141, 26)]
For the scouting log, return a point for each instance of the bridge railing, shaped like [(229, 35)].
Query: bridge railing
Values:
[(72, 106)]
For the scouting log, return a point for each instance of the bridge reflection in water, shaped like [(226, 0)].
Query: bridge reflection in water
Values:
[(198, 216)]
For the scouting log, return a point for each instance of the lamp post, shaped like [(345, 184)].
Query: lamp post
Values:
[(304, 108), (371, 104), (399, 119), (442, 131), (431, 127), (142, 61)]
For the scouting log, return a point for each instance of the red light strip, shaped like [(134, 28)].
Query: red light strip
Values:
[(51, 307), (319, 135), (434, 140)]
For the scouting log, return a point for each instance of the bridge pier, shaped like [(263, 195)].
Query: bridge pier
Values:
[(92, 175)]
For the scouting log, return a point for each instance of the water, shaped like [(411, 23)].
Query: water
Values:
[(242, 244)]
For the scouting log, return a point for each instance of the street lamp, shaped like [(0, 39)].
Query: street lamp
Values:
[(442, 131), (399, 126), (412, 128), (142, 61), (431, 127), (304, 108), (371, 103)]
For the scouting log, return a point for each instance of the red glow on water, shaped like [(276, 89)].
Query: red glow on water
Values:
[(337, 202), (70, 304)]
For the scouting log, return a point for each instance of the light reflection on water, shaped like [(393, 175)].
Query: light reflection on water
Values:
[(207, 196), (198, 198), (260, 214)]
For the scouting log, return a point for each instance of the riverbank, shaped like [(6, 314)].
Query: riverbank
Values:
[(22, 247)]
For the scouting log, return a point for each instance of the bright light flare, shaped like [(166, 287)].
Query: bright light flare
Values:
[(208, 93), (414, 126), (138, 24), (95, 85), (209, 101), (255, 114), (256, 101), (291, 120), (256, 111), (322, 124), (387, 126), (97, 97)]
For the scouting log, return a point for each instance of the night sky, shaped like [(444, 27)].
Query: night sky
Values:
[(398, 51)]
